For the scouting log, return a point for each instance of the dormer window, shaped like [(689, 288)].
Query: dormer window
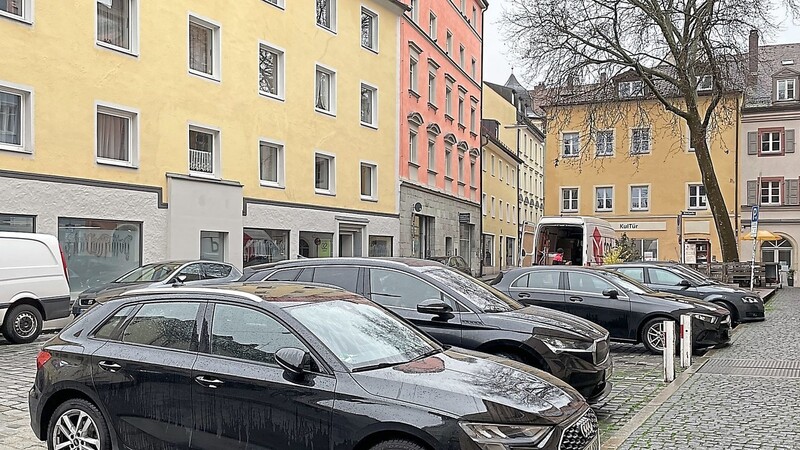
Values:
[(627, 89), (704, 83), (786, 89)]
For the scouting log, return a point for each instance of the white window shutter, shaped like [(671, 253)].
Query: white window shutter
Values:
[(752, 142), (792, 191), (752, 192), (789, 140)]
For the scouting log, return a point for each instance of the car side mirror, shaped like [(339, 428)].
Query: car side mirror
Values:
[(611, 293), (434, 306), (293, 360), (685, 283), (179, 280)]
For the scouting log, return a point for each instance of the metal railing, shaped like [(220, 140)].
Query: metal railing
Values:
[(201, 161)]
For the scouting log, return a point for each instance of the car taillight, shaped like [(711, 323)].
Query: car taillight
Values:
[(42, 358), (64, 263)]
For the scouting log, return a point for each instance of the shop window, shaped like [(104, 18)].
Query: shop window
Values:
[(212, 245), (380, 246), (17, 224), (264, 246), (316, 245)]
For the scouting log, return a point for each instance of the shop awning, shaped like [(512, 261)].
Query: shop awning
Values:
[(763, 235)]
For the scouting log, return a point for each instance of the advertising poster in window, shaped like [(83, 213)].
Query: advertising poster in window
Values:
[(690, 254)]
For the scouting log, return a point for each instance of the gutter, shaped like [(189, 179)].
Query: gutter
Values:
[(736, 182)]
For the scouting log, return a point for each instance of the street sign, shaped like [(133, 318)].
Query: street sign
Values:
[(754, 223), (689, 213)]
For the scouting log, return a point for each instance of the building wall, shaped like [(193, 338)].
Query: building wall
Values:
[(500, 195)]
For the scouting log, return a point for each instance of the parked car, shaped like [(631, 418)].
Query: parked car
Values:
[(290, 366), (456, 262), (34, 285), (630, 311), (743, 306), (461, 311), (160, 274)]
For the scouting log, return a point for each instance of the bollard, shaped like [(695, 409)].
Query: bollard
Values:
[(686, 340), (669, 351)]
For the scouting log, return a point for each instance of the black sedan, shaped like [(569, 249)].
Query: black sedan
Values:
[(461, 311), (630, 311), (744, 306), (289, 366)]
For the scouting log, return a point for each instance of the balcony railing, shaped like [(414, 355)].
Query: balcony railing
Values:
[(201, 161)]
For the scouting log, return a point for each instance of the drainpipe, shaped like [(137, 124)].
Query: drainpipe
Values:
[(736, 182), (483, 141)]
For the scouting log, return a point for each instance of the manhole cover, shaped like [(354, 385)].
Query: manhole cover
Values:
[(752, 368)]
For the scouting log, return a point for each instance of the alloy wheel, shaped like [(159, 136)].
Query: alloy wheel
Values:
[(75, 430), (655, 335), (25, 325)]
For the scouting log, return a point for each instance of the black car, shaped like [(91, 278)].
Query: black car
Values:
[(630, 311), (460, 311), (744, 306), (456, 262), (289, 366)]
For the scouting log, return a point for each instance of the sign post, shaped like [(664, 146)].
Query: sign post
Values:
[(680, 232), (754, 235)]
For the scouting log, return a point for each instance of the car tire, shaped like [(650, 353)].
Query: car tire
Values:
[(731, 310), (651, 342), (509, 355), (397, 444), (23, 324), (76, 412)]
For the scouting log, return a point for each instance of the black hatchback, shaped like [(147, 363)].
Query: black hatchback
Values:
[(458, 310), (289, 366), (630, 311)]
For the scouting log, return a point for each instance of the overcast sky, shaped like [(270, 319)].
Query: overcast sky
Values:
[(497, 64)]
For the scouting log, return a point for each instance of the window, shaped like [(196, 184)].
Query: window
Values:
[(324, 174), (203, 157), (270, 71), (705, 83), (463, 6), (664, 277), (380, 246), (213, 271), (460, 168), (640, 141), (15, 120), (413, 75), (697, 196), (640, 196), (628, 89), (325, 90), (397, 289), (344, 277), (114, 323), (474, 18), (412, 147), (431, 155), (771, 192), (605, 199), (17, 223), (369, 30), (461, 56), (448, 98), (637, 273), (500, 210), (116, 24), (786, 89), (508, 212), (491, 209), (605, 143), (243, 333), (369, 181), (271, 164), (432, 87), (17, 9), (569, 199), (213, 245), (432, 26), (117, 136), (472, 119), (448, 161), (771, 142), (369, 105), (415, 10), (460, 109), (264, 246), (167, 325), (492, 165), (472, 179), (571, 145), (449, 43), (590, 284), (326, 14), (204, 48), (541, 279), (473, 68), (488, 250), (647, 249)]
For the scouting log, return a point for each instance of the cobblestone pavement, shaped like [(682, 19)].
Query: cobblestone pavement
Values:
[(756, 408)]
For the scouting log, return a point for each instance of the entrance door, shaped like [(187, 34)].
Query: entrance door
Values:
[(422, 236), (776, 252), (345, 244)]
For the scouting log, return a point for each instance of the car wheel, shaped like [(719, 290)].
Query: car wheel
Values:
[(509, 355), (653, 335), (397, 444), (78, 425), (23, 324), (731, 310)]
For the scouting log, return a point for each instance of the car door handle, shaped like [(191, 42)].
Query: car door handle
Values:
[(523, 295), (212, 383), (109, 366), (576, 299)]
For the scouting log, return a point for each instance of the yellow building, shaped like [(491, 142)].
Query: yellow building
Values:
[(139, 131), (635, 169)]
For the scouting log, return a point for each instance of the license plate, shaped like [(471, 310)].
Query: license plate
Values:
[(594, 445)]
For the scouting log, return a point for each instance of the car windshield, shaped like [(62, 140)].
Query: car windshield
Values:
[(372, 337), (693, 276), (149, 273), (485, 297), (627, 283)]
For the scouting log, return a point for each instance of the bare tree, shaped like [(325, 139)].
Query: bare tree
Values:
[(670, 45)]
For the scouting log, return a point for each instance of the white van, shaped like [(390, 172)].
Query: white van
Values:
[(583, 240), (33, 284)]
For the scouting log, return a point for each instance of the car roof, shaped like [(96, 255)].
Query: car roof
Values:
[(377, 262)]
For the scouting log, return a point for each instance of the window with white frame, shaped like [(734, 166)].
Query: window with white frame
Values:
[(460, 108), (369, 103), (413, 72), (473, 107), (640, 198), (472, 179), (415, 10), (473, 68), (771, 192), (461, 168), (705, 83), (15, 119), (492, 166), (627, 89), (271, 164), (412, 147), (571, 145), (432, 86), (697, 196), (325, 90), (431, 153), (605, 143), (369, 29), (771, 142), (500, 209), (324, 173), (448, 161), (369, 181), (604, 198), (432, 26), (463, 7), (116, 136), (203, 151), (326, 14), (270, 71), (461, 56), (475, 17), (491, 209), (204, 47), (116, 23), (18, 9), (640, 141), (449, 43), (483, 203), (448, 98), (786, 89), (569, 199), (508, 212)]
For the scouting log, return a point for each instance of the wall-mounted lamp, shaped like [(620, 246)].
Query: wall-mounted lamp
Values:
[(555, 163)]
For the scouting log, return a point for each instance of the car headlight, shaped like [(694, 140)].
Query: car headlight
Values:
[(748, 299), (704, 317), (86, 301), (499, 437), (558, 345)]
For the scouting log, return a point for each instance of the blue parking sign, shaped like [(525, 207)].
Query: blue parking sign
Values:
[(754, 217)]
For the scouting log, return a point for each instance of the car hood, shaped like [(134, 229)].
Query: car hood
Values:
[(476, 387), (688, 302), (723, 289), (112, 289), (541, 317)]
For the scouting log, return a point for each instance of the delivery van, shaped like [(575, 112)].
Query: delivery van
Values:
[(577, 241)]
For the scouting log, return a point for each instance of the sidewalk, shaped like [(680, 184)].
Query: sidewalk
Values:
[(746, 396)]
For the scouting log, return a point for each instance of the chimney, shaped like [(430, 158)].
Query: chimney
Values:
[(753, 53)]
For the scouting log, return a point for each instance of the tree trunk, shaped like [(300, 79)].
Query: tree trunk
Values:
[(716, 201)]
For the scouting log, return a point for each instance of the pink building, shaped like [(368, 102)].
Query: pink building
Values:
[(440, 112)]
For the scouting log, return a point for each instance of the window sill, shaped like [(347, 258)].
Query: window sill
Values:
[(324, 192), (610, 155), (123, 50), (432, 106), (414, 93), (569, 156), (365, 198), (279, 98), (15, 149), (270, 184), (461, 183), (325, 112), (432, 172), (473, 134), (17, 18), (448, 178), (209, 176), (329, 30), (462, 127), (640, 210), (448, 118), (640, 153), (414, 164), (780, 153), (371, 50), (569, 211), (604, 211), (369, 125), (117, 163), (204, 75)]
